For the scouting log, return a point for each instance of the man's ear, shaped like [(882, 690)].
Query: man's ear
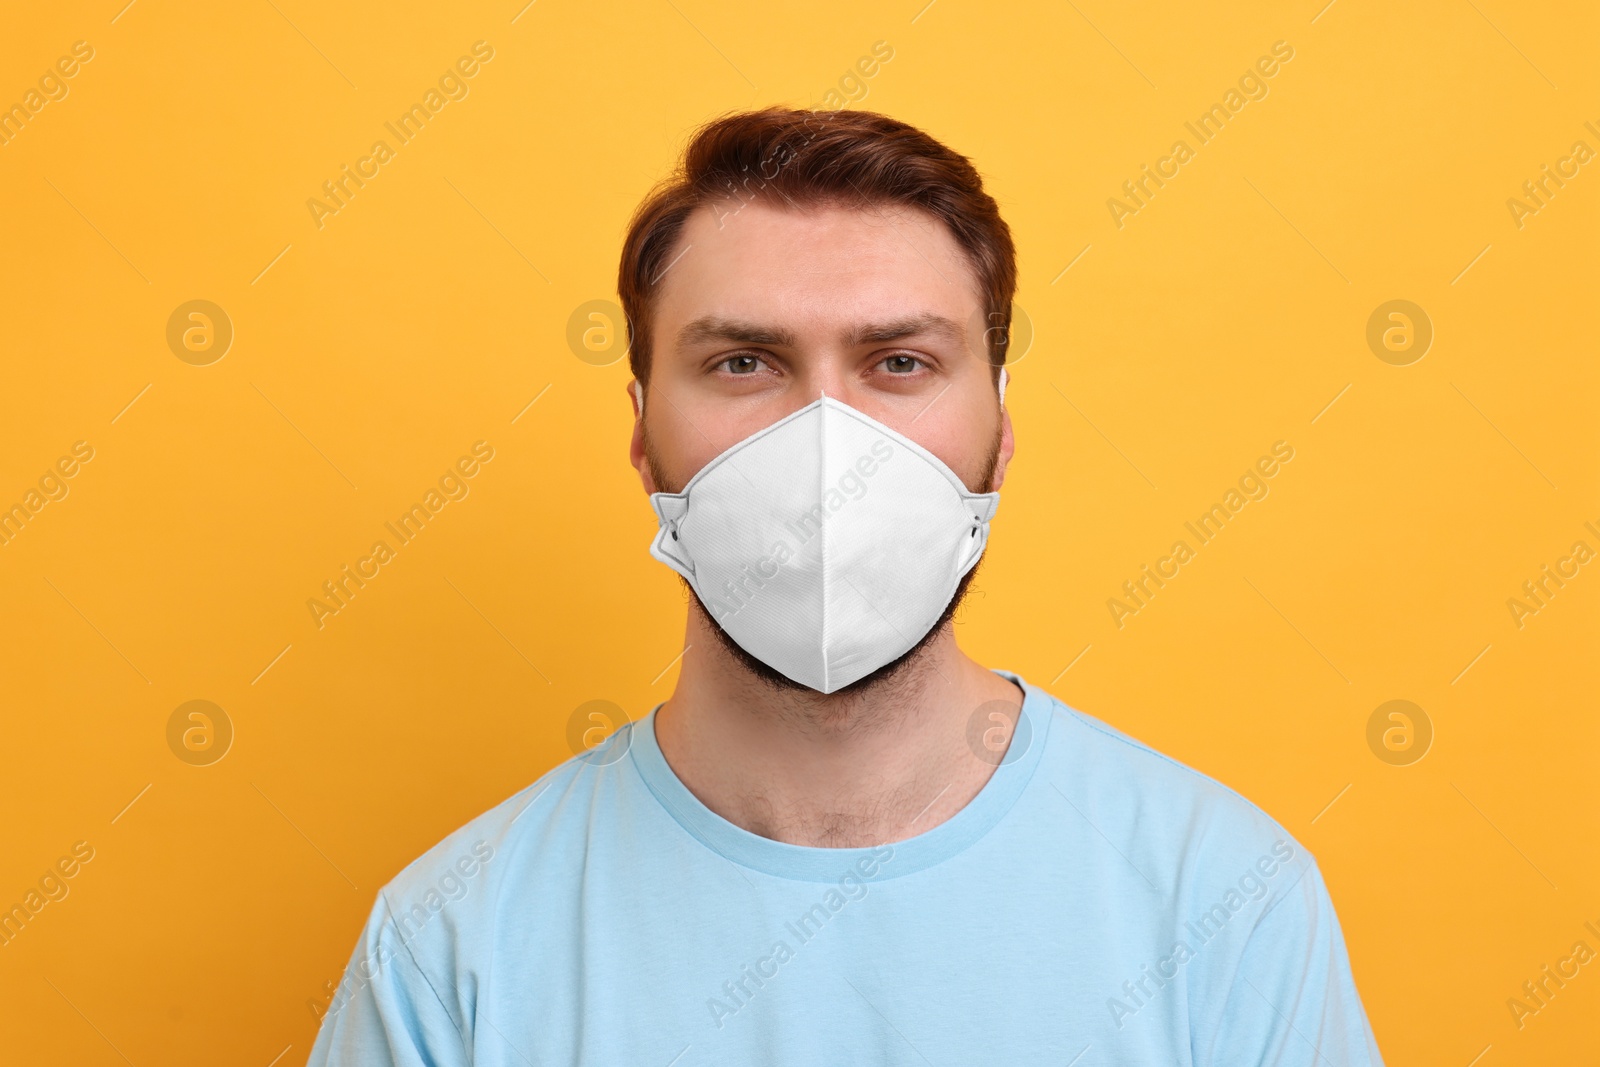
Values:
[(636, 453), (1008, 445)]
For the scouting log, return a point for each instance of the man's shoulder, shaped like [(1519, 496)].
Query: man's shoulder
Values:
[(545, 818), (1174, 811)]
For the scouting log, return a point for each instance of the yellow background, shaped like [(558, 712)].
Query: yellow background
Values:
[(426, 315)]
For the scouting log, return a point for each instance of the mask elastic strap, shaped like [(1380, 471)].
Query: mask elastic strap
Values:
[(638, 394), (1002, 386)]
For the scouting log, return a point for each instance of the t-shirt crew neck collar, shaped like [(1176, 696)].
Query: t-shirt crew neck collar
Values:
[(809, 864)]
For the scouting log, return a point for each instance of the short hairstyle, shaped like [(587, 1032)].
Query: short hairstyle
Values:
[(805, 158)]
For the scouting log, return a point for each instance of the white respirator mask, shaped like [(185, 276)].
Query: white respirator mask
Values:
[(825, 545)]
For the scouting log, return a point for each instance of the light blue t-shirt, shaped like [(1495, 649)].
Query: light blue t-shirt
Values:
[(1096, 903)]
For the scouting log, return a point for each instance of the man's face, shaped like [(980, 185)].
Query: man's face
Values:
[(757, 318)]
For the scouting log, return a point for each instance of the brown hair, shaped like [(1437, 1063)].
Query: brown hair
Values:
[(807, 158)]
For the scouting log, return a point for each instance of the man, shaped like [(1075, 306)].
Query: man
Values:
[(841, 840)]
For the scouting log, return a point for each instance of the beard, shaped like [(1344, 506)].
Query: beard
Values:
[(885, 675)]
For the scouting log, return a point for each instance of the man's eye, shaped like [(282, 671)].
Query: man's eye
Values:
[(902, 364), (745, 364)]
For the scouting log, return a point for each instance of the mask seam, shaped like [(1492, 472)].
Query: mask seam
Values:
[(822, 532)]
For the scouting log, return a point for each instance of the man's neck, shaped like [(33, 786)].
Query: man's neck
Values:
[(838, 770)]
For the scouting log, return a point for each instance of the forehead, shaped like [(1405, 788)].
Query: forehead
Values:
[(822, 263)]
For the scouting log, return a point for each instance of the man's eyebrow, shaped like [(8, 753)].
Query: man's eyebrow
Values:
[(931, 324), (713, 328), (709, 328)]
